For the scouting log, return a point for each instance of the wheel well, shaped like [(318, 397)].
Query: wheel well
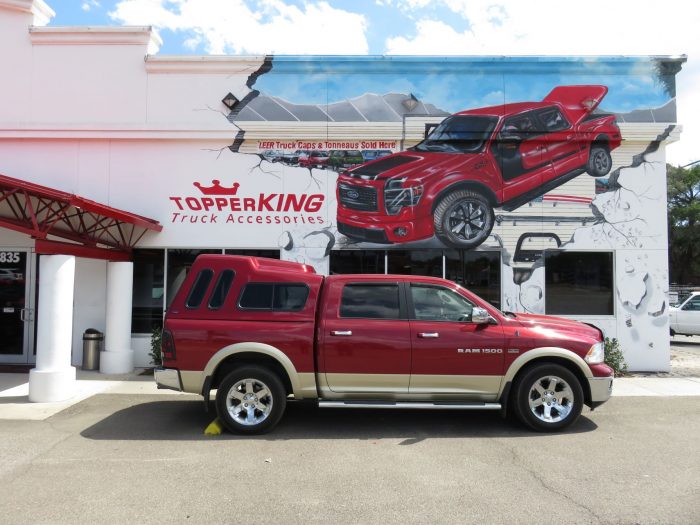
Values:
[(562, 361), (250, 358), (467, 185), (602, 140)]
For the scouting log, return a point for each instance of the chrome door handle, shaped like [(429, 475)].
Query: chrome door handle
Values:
[(341, 332), (428, 335)]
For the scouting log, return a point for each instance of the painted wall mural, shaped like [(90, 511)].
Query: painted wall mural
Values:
[(520, 155)]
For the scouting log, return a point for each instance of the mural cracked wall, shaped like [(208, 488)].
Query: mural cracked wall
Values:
[(519, 155)]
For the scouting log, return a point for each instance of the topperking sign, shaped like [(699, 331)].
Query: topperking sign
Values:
[(218, 204)]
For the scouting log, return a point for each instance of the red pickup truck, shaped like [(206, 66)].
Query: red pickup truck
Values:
[(501, 156), (262, 332)]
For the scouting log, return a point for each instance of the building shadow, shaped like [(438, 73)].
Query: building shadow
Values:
[(186, 420)]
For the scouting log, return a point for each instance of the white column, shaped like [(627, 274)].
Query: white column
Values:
[(53, 379), (118, 357)]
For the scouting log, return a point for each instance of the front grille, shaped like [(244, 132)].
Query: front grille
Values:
[(363, 234), (357, 197)]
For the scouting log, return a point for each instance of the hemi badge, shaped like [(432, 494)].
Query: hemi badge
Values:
[(513, 351)]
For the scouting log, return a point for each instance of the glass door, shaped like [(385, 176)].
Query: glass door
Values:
[(16, 307)]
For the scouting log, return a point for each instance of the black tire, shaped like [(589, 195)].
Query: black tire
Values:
[(599, 161), (259, 379), (468, 209), (564, 401)]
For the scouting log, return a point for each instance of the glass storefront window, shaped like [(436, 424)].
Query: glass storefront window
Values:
[(356, 261), (415, 262), (579, 283), (147, 298), (478, 272), (270, 254)]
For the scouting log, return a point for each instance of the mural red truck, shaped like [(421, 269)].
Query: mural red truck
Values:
[(262, 332), (474, 161)]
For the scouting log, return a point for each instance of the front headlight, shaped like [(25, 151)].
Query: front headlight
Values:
[(596, 354), (397, 197)]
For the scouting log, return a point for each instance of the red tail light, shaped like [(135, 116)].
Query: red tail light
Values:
[(167, 346)]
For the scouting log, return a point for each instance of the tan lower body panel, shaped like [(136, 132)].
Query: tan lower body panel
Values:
[(396, 386), (379, 383), (373, 386), (307, 386), (192, 381), (452, 384)]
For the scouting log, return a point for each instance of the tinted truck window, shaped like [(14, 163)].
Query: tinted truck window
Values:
[(274, 296), (370, 301), (435, 303), (194, 299), (223, 285)]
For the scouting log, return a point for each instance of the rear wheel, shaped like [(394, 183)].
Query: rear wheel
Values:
[(250, 400), (548, 398), (463, 219), (599, 161)]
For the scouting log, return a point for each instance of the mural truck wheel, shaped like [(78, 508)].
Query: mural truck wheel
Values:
[(599, 161), (463, 219)]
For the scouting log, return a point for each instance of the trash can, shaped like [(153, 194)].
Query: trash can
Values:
[(92, 344)]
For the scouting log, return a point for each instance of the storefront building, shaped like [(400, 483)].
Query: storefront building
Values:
[(541, 184)]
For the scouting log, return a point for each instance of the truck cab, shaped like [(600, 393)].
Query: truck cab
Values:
[(263, 332)]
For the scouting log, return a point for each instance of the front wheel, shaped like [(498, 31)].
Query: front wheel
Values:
[(548, 398), (250, 400), (463, 219), (599, 161)]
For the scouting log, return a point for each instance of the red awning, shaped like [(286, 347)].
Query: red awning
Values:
[(93, 229)]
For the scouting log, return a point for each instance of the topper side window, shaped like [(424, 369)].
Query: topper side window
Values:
[(199, 288)]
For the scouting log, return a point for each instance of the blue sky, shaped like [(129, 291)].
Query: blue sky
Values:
[(454, 85), (434, 27), (97, 12)]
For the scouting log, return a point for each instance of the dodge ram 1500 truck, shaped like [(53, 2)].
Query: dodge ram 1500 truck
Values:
[(262, 332)]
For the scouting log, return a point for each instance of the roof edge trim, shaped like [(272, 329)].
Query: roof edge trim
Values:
[(96, 35), (39, 9)]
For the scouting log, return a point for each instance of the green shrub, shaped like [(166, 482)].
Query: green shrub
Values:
[(155, 353), (614, 357)]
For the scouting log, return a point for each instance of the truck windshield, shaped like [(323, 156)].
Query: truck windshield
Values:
[(459, 134)]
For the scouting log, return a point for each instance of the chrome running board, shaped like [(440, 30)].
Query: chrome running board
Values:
[(410, 404)]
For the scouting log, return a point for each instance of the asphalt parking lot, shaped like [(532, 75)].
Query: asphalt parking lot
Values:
[(144, 459)]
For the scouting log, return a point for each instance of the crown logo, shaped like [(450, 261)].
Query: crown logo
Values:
[(217, 189)]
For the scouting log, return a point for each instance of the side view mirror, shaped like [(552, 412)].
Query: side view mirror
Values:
[(480, 316)]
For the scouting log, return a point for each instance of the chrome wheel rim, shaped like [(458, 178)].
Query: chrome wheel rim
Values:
[(601, 161), (551, 399), (249, 402), (467, 220)]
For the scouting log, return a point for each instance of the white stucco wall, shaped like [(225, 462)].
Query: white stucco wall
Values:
[(91, 111)]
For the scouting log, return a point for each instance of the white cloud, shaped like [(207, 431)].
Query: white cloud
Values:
[(230, 26), (553, 27), (87, 5)]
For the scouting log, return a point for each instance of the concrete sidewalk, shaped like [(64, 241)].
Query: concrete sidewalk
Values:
[(14, 389), (14, 392)]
